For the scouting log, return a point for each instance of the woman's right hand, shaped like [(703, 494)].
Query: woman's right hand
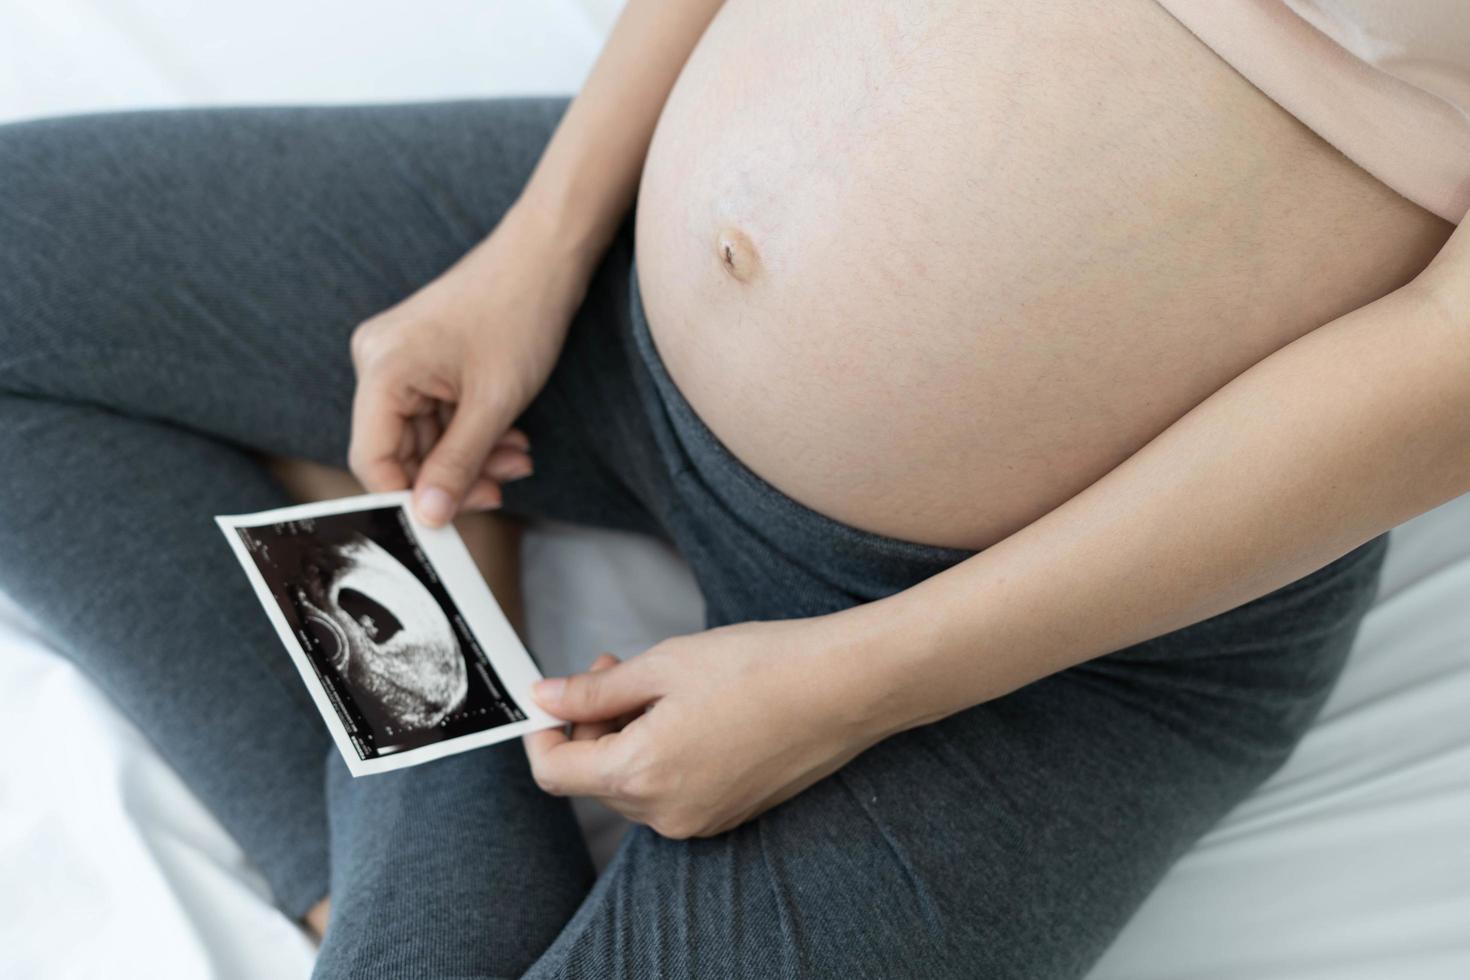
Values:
[(442, 375)]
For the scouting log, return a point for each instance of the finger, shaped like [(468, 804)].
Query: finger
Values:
[(420, 434), (502, 466), (603, 662), (456, 460), (508, 460), (377, 430), (583, 730), (506, 463), (515, 438), (600, 696), (426, 432), (484, 494), (408, 453), (563, 767)]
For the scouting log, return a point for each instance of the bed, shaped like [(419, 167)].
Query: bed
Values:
[(1352, 863)]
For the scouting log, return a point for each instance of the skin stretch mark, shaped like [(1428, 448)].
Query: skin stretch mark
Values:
[(737, 253)]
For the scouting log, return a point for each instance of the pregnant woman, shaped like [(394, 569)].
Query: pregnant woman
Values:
[(1029, 386)]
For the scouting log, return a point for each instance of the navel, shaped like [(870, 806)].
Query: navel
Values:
[(737, 253)]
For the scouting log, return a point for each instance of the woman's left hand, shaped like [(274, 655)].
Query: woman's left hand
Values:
[(702, 732)]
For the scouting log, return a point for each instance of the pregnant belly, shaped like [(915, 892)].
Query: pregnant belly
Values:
[(931, 268)]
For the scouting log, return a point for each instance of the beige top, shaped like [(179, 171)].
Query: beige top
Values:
[(1387, 82)]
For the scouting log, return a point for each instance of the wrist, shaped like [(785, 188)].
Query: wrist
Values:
[(558, 226), (882, 654), (526, 244)]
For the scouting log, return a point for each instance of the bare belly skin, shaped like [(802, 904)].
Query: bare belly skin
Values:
[(931, 268)]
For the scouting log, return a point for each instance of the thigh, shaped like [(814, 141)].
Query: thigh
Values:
[(206, 266), (1013, 839)]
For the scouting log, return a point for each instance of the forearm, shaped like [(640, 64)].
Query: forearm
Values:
[(1333, 439), (587, 177)]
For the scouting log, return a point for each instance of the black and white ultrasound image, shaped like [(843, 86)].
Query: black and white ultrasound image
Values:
[(393, 653)]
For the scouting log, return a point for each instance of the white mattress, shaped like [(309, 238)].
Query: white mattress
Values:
[(1354, 862)]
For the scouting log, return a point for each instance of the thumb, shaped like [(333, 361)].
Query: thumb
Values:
[(456, 460), (597, 695)]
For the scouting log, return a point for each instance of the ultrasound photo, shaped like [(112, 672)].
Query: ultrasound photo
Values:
[(365, 600)]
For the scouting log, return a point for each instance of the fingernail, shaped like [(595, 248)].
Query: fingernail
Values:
[(549, 689), (435, 507), (518, 470)]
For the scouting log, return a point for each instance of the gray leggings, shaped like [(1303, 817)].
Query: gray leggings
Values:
[(176, 294)]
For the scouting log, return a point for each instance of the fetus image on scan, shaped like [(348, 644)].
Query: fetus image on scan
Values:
[(385, 635), (396, 659)]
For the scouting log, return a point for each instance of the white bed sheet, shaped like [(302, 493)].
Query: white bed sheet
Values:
[(1354, 862)]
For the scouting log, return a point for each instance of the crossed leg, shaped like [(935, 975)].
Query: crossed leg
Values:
[(177, 290)]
